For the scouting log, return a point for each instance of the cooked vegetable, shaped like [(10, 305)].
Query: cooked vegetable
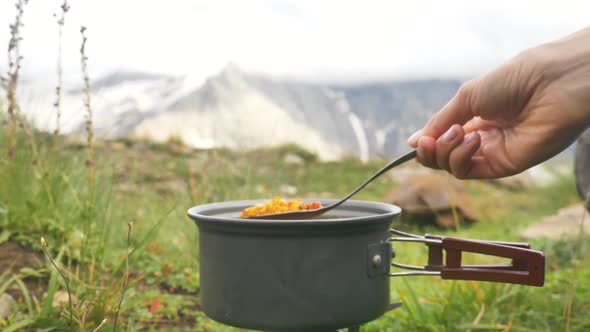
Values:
[(278, 205)]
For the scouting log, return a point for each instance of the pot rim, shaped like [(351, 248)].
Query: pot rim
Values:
[(381, 210)]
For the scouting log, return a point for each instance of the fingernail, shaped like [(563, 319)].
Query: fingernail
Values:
[(414, 137), (450, 135), (470, 138)]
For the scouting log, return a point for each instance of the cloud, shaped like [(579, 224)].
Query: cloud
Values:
[(304, 39)]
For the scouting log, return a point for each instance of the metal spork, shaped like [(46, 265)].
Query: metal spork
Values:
[(306, 214)]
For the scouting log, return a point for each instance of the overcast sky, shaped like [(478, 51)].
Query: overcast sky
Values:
[(305, 39)]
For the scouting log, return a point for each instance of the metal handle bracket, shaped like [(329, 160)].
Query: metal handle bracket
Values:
[(527, 266), (378, 258)]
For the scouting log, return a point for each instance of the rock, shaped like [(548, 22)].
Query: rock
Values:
[(294, 159), (60, 298), (408, 170), (6, 303), (434, 198), (288, 189), (261, 188), (519, 181), (565, 224), (542, 175)]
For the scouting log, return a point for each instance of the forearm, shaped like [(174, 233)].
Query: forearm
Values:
[(567, 70)]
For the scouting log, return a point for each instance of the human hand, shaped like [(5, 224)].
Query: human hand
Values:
[(516, 116)]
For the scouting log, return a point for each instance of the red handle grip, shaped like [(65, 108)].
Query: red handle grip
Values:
[(527, 266)]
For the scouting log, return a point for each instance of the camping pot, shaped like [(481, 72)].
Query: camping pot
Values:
[(327, 273)]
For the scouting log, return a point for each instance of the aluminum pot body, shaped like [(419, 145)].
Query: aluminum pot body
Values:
[(294, 275)]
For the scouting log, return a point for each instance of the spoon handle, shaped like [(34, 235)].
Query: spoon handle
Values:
[(408, 156)]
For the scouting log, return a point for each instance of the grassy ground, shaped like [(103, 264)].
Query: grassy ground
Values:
[(83, 208), (154, 184)]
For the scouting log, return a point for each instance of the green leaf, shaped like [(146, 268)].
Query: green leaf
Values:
[(4, 236), (5, 284), (19, 325), (26, 295), (29, 272)]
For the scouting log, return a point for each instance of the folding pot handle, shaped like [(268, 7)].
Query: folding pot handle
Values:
[(526, 268)]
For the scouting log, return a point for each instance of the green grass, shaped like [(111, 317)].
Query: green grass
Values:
[(154, 185)]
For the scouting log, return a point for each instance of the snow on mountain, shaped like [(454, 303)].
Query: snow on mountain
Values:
[(241, 110), (227, 111)]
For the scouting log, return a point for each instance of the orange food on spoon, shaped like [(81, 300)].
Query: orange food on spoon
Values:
[(278, 205)]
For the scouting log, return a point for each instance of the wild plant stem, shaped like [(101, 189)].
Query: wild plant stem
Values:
[(89, 139), (58, 89), (104, 321), (89, 131), (14, 64), (44, 245), (129, 225)]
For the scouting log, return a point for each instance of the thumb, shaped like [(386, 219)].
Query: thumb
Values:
[(457, 111)]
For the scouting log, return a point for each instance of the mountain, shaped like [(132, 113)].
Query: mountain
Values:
[(241, 110)]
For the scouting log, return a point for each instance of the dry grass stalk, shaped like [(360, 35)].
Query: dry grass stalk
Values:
[(125, 282), (479, 316), (10, 83), (104, 321), (44, 245), (58, 89), (14, 114), (14, 66), (86, 98)]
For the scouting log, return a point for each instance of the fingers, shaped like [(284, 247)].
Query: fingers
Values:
[(460, 158), (446, 143), (498, 95), (425, 152), (476, 124), (454, 153), (457, 111)]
